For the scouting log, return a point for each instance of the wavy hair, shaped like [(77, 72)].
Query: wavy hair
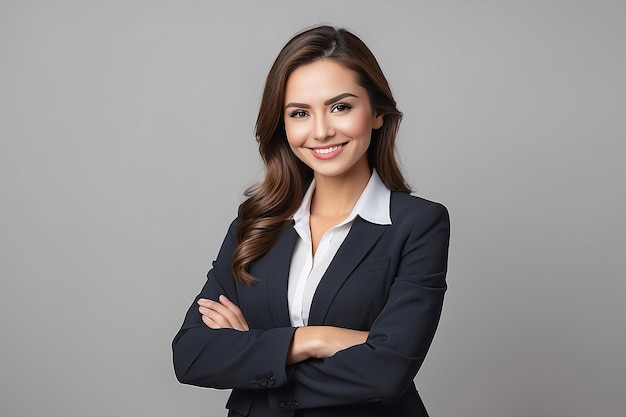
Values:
[(270, 203)]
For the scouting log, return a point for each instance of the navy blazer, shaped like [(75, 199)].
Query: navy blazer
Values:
[(385, 279)]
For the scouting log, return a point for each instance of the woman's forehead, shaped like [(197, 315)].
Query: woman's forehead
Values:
[(321, 80)]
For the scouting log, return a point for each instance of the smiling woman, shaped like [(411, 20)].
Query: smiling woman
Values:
[(335, 130), (328, 287)]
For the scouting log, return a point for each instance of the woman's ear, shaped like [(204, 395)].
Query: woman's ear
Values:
[(378, 121)]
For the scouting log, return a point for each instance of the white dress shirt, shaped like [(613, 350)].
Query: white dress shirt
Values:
[(306, 271)]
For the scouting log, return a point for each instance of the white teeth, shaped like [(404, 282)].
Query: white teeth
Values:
[(327, 150)]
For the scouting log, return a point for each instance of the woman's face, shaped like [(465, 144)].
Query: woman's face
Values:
[(328, 118)]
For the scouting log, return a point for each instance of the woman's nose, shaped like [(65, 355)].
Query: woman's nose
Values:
[(322, 129)]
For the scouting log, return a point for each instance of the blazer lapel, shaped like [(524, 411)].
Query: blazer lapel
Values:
[(277, 277), (362, 236)]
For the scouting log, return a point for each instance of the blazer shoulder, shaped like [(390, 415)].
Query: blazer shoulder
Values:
[(406, 206)]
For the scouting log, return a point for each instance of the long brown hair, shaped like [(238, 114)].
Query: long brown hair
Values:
[(270, 203)]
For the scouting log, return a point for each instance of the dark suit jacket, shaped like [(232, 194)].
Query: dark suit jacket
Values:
[(388, 280)]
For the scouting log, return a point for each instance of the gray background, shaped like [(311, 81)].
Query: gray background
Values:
[(127, 140)]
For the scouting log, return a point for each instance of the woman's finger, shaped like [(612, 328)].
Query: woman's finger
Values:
[(229, 310), (234, 308), (216, 320), (210, 323), (221, 315)]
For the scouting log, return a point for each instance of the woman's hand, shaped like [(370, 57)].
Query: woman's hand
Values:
[(322, 342), (308, 342), (222, 314)]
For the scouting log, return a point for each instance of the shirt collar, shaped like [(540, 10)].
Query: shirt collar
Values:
[(373, 205)]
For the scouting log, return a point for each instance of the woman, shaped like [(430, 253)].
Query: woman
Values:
[(328, 287)]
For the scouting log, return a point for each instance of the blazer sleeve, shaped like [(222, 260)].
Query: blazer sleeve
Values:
[(228, 358), (383, 368)]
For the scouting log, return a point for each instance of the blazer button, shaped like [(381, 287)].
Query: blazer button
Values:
[(272, 380), (288, 404)]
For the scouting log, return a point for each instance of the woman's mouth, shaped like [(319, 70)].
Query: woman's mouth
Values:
[(324, 151), (328, 152)]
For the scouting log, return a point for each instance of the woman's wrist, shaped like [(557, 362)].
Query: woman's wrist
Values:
[(322, 342), (303, 344)]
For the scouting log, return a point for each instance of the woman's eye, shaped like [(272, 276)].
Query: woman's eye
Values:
[(298, 113), (340, 107)]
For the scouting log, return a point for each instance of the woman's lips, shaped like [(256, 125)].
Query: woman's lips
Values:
[(328, 152)]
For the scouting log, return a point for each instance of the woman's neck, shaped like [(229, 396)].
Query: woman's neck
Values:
[(335, 197)]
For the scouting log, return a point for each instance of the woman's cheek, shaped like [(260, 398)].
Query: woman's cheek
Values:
[(296, 134), (355, 127)]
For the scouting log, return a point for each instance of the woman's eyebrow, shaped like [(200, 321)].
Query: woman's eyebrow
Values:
[(339, 97), (326, 103), (299, 105)]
